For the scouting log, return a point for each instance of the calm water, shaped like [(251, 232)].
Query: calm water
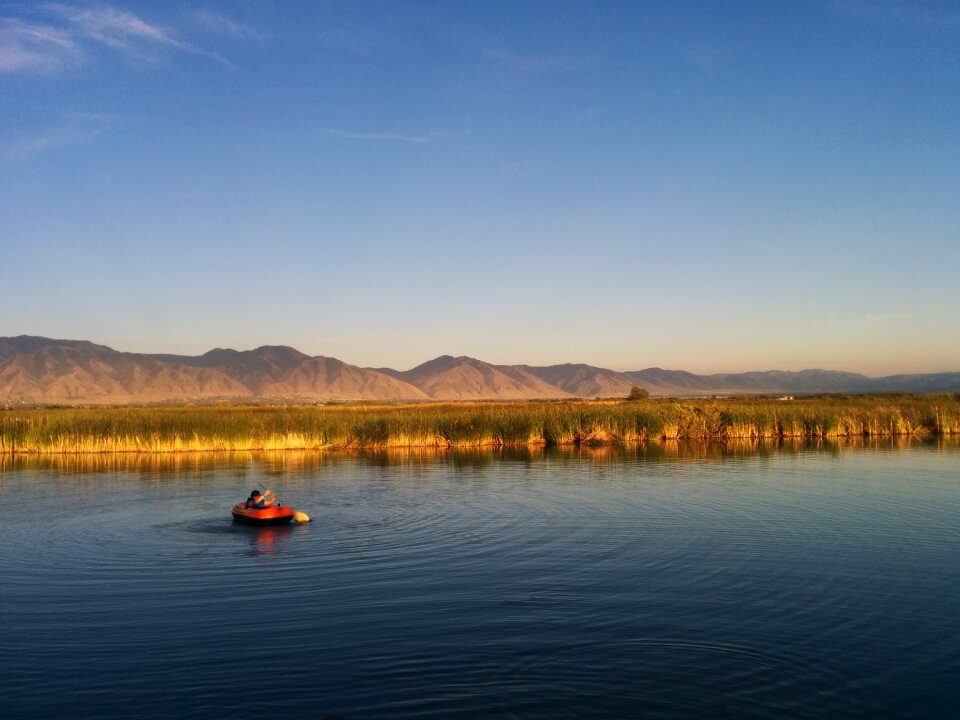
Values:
[(665, 584)]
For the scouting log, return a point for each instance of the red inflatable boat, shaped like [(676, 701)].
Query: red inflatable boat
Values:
[(277, 515)]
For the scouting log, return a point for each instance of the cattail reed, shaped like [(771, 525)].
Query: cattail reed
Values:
[(448, 425)]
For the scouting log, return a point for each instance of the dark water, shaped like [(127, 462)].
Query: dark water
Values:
[(698, 583)]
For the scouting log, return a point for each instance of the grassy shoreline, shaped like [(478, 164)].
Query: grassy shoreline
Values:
[(461, 425)]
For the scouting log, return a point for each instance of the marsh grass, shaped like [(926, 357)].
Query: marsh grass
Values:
[(585, 423)]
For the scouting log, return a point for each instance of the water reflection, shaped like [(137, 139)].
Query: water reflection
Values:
[(267, 541), (172, 463), (268, 464), (671, 580)]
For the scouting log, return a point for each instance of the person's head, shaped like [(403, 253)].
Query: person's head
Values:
[(255, 494)]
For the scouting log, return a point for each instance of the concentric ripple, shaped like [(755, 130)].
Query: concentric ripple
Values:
[(785, 585)]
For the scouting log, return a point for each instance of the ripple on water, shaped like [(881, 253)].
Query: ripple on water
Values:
[(774, 587)]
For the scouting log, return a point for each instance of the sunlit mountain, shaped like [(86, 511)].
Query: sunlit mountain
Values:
[(41, 370)]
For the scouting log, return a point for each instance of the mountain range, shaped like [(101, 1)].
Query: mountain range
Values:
[(37, 370)]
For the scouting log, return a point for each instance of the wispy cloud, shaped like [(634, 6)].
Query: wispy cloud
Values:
[(112, 27), (67, 35), (220, 25), (30, 47), (124, 32)]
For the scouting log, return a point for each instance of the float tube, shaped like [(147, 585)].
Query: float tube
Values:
[(277, 515)]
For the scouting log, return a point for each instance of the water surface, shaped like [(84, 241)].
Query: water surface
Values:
[(668, 583)]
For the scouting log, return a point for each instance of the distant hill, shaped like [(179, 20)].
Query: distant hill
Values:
[(804, 382), (584, 380), (41, 370), (464, 378), (73, 372), (36, 370), (280, 371)]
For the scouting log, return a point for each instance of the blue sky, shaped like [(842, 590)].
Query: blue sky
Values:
[(710, 186)]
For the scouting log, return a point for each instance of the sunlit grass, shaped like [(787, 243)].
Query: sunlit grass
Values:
[(281, 428)]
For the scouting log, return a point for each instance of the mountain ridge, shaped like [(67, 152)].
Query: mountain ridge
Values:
[(38, 370)]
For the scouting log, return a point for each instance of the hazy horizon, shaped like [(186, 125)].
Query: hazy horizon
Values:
[(729, 188)]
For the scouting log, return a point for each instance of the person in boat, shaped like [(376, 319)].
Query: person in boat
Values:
[(262, 501)]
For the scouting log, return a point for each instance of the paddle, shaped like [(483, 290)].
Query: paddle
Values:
[(298, 516)]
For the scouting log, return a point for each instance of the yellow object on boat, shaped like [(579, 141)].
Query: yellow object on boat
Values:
[(301, 517)]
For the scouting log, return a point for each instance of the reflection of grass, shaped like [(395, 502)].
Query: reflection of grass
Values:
[(194, 429), (254, 466)]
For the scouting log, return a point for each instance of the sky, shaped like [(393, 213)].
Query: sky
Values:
[(706, 186)]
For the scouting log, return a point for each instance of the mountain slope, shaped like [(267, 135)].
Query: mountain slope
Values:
[(81, 372), (465, 378), (37, 370), (283, 371), (584, 380), (41, 370), (678, 382)]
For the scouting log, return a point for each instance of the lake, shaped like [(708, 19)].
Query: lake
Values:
[(697, 581)]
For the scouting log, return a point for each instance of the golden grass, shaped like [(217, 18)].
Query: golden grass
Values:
[(460, 425)]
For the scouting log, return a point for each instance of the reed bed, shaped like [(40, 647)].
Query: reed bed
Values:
[(584, 423)]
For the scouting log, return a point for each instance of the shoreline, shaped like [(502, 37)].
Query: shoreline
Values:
[(202, 429), (317, 461)]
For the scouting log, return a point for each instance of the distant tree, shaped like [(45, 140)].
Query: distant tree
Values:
[(638, 393)]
